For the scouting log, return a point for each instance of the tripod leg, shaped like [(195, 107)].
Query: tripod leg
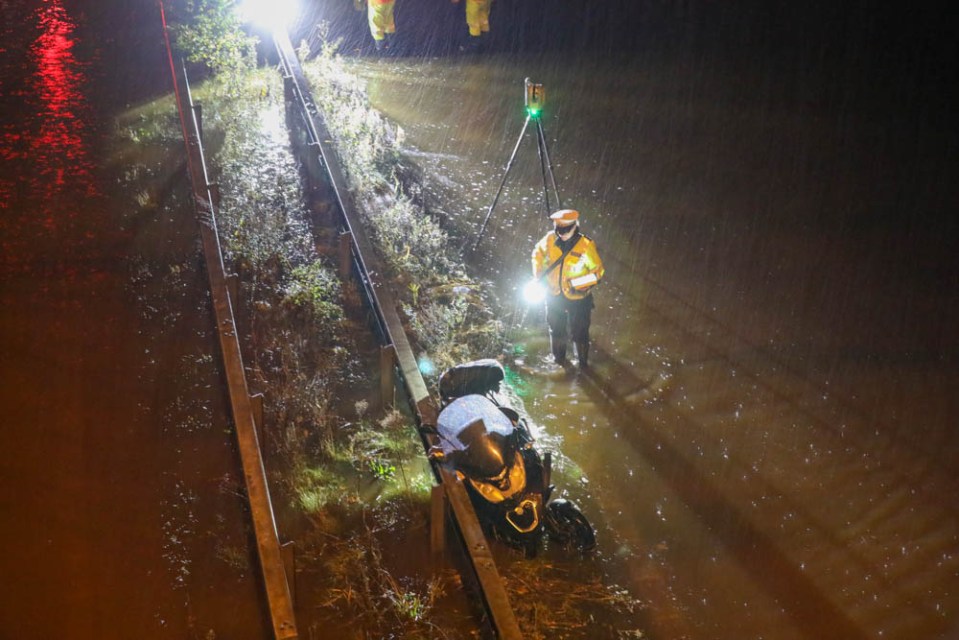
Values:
[(548, 166), (509, 165), (541, 150)]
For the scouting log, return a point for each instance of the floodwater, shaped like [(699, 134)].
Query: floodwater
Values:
[(767, 438), (766, 443), (121, 514)]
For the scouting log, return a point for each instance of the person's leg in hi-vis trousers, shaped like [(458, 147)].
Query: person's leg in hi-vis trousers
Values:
[(477, 19), (382, 26)]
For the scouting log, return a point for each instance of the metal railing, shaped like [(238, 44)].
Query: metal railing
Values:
[(244, 408), (384, 306)]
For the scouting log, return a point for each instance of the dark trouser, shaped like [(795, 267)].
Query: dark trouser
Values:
[(561, 312)]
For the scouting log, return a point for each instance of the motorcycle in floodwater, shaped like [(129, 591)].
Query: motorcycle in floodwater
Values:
[(491, 450)]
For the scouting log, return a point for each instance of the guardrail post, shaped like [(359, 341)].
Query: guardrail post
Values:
[(315, 154), (387, 382), (214, 188), (233, 289), (288, 551), (256, 407), (198, 114), (438, 506), (344, 254)]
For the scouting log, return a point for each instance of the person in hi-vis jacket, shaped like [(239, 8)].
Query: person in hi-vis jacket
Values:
[(574, 269)]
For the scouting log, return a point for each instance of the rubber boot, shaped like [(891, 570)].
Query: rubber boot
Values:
[(559, 353), (582, 351)]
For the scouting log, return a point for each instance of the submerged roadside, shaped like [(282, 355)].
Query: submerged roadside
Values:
[(669, 543), (350, 481), (744, 412)]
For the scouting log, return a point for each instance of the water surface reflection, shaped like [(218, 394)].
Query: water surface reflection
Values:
[(114, 441), (766, 438)]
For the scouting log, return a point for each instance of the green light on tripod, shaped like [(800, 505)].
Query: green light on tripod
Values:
[(535, 98)]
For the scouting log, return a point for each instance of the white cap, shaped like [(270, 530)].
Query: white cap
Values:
[(564, 217)]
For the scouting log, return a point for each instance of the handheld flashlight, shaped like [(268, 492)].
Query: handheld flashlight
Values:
[(534, 292)]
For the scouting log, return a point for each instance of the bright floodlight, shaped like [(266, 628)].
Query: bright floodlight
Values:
[(534, 292), (273, 14)]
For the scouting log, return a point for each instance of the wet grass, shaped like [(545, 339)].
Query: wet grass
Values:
[(549, 603), (453, 319), (346, 483), (350, 486), (449, 315), (377, 601)]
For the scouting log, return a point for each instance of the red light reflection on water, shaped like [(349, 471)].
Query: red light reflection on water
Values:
[(58, 148)]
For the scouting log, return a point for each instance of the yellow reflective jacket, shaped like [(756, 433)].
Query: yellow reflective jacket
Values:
[(582, 260)]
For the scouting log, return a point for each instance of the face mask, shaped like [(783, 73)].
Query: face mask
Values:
[(565, 233)]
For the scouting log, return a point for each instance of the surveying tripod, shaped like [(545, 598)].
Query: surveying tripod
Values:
[(534, 100)]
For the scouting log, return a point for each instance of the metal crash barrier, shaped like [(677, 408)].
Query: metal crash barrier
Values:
[(243, 407), (384, 307)]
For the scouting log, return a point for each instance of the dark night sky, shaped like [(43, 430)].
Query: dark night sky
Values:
[(836, 30), (886, 63), (891, 65), (912, 51), (898, 59)]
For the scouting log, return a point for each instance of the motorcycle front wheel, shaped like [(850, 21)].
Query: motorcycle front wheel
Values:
[(566, 525)]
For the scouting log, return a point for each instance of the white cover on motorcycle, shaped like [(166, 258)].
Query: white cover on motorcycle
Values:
[(454, 420), (476, 437)]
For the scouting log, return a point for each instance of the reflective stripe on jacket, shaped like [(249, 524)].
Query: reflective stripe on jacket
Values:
[(583, 259)]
